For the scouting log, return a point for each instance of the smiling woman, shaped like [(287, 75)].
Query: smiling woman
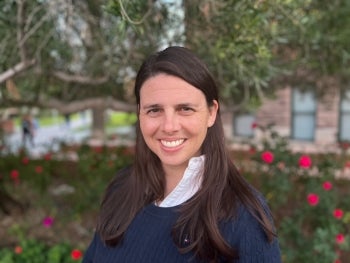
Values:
[(182, 200), (174, 119)]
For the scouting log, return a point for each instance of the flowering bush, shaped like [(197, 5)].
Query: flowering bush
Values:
[(61, 188), (311, 206), (36, 251)]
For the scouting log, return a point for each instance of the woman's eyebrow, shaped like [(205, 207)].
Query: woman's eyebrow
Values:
[(186, 104), (151, 106), (157, 105)]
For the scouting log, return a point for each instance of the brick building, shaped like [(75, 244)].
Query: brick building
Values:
[(311, 123)]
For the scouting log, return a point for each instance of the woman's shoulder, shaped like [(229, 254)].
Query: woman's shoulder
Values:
[(246, 233), (246, 216)]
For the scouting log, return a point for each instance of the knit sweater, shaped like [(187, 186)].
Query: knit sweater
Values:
[(148, 240)]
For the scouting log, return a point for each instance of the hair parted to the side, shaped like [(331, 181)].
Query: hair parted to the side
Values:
[(222, 190)]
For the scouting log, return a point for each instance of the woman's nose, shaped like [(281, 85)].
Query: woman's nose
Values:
[(170, 122)]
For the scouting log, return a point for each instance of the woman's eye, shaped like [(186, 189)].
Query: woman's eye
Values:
[(186, 110), (153, 112)]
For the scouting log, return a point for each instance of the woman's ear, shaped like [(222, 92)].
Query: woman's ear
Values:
[(213, 110)]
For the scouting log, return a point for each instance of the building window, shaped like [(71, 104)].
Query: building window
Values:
[(243, 125), (344, 118), (303, 115)]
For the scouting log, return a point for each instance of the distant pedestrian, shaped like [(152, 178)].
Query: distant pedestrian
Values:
[(67, 119), (28, 130)]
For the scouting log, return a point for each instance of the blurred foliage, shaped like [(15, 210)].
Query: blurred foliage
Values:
[(255, 47)]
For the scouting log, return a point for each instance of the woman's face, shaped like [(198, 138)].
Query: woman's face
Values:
[(174, 118)]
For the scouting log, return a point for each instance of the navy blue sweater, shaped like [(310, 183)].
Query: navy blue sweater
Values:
[(148, 240)]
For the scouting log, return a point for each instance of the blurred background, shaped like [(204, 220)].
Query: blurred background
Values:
[(68, 67)]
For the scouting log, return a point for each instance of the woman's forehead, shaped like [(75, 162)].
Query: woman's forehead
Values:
[(166, 87)]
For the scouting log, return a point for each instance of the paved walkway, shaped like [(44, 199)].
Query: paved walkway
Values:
[(49, 138)]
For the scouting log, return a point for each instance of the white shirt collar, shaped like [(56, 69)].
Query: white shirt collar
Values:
[(189, 184)]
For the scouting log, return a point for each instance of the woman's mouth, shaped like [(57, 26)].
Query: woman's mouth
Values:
[(171, 144)]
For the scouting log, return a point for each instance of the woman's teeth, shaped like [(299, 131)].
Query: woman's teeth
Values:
[(172, 143)]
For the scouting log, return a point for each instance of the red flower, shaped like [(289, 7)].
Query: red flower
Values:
[(254, 125), (14, 175), (38, 169), (347, 164), (313, 199), (47, 156), (267, 157), (338, 213), (25, 160), (98, 149), (18, 250), (76, 254), (337, 261), (327, 185), (305, 161), (252, 150), (339, 238)]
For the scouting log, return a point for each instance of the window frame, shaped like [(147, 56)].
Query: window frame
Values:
[(235, 131), (343, 112), (311, 113)]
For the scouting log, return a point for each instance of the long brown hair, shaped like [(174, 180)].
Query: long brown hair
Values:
[(222, 189)]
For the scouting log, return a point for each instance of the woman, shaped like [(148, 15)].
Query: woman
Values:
[(182, 200)]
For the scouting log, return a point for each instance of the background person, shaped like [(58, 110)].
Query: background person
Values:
[(28, 130)]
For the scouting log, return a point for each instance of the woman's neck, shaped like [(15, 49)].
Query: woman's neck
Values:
[(173, 176)]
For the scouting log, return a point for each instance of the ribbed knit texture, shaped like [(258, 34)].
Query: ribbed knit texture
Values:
[(148, 240)]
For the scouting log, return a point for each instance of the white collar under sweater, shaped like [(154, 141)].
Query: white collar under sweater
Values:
[(189, 184)]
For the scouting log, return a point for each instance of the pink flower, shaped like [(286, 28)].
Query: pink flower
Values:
[(76, 254), (340, 238), (327, 185), (267, 157), (313, 199), (338, 213), (254, 125), (305, 161), (48, 221)]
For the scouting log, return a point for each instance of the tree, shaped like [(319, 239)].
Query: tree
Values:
[(256, 46), (73, 55), (313, 42), (84, 50)]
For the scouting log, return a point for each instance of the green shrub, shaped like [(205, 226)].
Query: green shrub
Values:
[(34, 251), (309, 203)]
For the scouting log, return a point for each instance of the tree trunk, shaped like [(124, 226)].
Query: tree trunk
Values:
[(98, 123)]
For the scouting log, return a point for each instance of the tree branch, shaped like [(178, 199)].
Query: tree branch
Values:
[(11, 72), (75, 106), (80, 79)]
